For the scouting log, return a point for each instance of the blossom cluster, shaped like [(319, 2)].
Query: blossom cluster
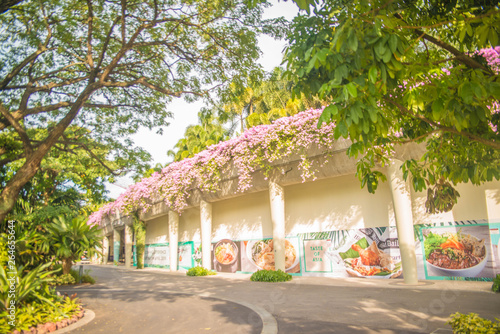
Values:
[(258, 148)]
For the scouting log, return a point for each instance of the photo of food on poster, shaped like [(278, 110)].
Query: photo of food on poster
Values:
[(259, 254), (226, 256), (457, 251), (368, 253)]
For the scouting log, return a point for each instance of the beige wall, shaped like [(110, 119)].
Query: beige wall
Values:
[(336, 204), (157, 230), (325, 205), (475, 202), (189, 225), (244, 217)]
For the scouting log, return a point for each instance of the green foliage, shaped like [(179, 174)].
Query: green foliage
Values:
[(496, 284), (473, 324), (78, 80), (71, 238), (64, 279), (32, 314), (400, 72), (199, 271), (197, 138), (140, 240), (86, 278), (73, 276), (29, 286), (270, 276)]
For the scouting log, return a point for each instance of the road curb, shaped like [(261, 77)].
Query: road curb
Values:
[(269, 323), (88, 316)]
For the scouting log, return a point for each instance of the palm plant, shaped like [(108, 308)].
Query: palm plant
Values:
[(69, 239)]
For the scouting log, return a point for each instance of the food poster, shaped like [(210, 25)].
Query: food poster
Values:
[(457, 251), (367, 252), (259, 254), (157, 255), (495, 245), (197, 256), (185, 255), (226, 256)]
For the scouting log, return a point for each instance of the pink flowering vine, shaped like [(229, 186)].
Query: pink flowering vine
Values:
[(256, 149)]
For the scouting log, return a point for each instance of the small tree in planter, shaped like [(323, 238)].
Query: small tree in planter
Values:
[(69, 239)]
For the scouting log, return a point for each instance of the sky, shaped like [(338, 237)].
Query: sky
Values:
[(185, 114)]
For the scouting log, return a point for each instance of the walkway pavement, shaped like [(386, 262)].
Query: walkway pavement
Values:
[(157, 301)]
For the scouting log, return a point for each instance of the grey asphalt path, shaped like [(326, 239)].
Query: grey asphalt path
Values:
[(157, 301)]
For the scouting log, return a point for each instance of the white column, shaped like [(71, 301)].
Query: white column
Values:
[(401, 198), (128, 246), (206, 233), (105, 247), (116, 246), (173, 238), (277, 199)]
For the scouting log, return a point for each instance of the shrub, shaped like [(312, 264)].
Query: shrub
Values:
[(270, 276), (30, 315), (88, 279), (199, 271), (473, 324), (64, 280), (30, 286), (496, 284)]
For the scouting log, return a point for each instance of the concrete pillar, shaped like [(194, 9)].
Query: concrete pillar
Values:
[(116, 246), (105, 247), (401, 198), (128, 246), (173, 238), (206, 233), (277, 199)]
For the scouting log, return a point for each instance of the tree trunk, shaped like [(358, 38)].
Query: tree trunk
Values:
[(9, 194), (66, 265)]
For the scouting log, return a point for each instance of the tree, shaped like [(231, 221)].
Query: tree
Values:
[(406, 71), (71, 176), (110, 67), (68, 239), (197, 138)]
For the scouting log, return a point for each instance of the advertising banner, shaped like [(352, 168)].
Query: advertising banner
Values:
[(185, 255), (157, 255), (249, 256), (368, 252), (459, 251)]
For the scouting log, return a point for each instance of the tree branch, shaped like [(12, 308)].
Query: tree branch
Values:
[(479, 139), (19, 129)]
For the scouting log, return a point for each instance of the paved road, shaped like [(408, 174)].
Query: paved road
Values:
[(157, 301)]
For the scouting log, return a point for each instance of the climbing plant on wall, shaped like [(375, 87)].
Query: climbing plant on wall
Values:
[(257, 148), (140, 239)]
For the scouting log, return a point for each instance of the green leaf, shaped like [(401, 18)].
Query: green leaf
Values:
[(437, 109), (466, 92), (353, 42), (351, 88), (393, 43), (373, 72)]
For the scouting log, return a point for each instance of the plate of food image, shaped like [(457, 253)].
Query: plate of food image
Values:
[(455, 254), (364, 260), (261, 254), (226, 252)]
